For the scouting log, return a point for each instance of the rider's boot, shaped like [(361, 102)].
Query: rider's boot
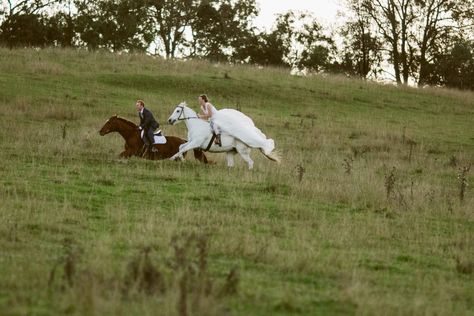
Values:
[(217, 141)]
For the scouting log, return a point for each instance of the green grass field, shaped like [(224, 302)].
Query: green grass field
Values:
[(367, 214)]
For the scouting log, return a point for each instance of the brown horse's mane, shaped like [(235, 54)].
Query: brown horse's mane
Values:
[(130, 123)]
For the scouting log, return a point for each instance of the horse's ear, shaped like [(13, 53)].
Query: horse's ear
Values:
[(115, 115)]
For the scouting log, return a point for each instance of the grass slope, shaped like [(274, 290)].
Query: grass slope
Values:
[(363, 216)]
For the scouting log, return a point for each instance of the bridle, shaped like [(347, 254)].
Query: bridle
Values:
[(182, 113)]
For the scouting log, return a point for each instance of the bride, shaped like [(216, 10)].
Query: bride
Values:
[(234, 123), (209, 113)]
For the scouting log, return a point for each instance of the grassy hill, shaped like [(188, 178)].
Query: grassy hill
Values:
[(366, 214)]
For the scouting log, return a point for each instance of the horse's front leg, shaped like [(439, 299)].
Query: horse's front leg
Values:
[(184, 148), (126, 153)]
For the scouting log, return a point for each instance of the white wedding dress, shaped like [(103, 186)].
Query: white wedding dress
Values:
[(239, 125)]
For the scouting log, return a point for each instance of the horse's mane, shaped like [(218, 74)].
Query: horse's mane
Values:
[(184, 104), (129, 123)]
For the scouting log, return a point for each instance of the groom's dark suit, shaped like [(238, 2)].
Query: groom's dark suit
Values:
[(148, 124)]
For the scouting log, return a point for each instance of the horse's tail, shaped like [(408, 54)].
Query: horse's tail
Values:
[(273, 156), (268, 146), (268, 150)]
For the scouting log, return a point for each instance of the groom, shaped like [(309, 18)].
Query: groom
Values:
[(148, 124)]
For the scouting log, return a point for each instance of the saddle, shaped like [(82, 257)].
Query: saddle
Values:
[(158, 137)]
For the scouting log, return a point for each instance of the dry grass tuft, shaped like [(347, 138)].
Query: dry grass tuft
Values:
[(462, 177), (184, 277), (390, 181), (143, 276), (231, 283), (464, 266)]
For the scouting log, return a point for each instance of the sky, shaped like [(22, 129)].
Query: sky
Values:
[(324, 10)]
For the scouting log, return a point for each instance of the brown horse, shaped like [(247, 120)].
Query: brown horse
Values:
[(134, 145)]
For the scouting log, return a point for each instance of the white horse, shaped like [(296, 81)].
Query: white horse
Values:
[(200, 136)]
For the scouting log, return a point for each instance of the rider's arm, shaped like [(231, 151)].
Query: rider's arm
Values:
[(145, 122), (208, 110)]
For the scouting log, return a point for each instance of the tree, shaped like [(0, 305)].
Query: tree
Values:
[(457, 68), (113, 24), (316, 48), (268, 48), (394, 19), (414, 30), (25, 7), (463, 14), (3, 8), (361, 52), (265, 49), (437, 20), (60, 30), (221, 27), (171, 19), (23, 29), (24, 23), (295, 41), (454, 66)]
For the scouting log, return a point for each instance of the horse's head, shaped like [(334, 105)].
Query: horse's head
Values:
[(178, 113), (109, 126)]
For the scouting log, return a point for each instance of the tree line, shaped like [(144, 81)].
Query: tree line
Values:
[(428, 42)]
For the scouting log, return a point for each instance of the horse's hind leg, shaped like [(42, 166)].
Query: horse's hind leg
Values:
[(199, 155), (230, 158), (244, 152)]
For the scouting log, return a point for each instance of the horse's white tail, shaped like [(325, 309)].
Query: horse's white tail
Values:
[(268, 150), (273, 156), (268, 146)]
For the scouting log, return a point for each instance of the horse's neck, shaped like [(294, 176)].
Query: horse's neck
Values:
[(192, 122), (188, 112), (127, 131)]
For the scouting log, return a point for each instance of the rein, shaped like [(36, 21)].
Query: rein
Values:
[(184, 118)]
